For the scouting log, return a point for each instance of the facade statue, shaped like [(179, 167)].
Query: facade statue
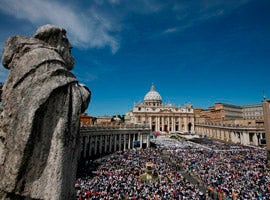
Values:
[(40, 118)]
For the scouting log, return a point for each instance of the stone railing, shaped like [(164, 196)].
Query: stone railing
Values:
[(115, 126), (229, 126)]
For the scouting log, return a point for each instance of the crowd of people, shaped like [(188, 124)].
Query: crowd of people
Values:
[(234, 172), (239, 173), (118, 177)]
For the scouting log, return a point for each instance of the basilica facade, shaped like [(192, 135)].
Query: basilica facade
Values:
[(166, 118)]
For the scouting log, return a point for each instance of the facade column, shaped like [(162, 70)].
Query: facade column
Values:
[(236, 137), (158, 123), (167, 122), (245, 138), (203, 130), (185, 124), (230, 136), (162, 123), (193, 122), (221, 134), (148, 141), (241, 137), (226, 135), (88, 145), (115, 144), (150, 122), (84, 146), (257, 138), (91, 146), (156, 126), (170, 124), (125, 142), (106, 143), (141, 139), (156, 119), (120, 142), (173, 123), (133, 140), (180, 123), (129, 140), (100, 143), (111, 140), (95, 151), (243, 133)]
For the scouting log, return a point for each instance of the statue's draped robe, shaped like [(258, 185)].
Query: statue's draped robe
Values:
[(39, 124)]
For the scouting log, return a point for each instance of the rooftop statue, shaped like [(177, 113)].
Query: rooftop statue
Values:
[(39, 122)]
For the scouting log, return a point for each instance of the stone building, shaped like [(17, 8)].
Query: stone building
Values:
[(238, 124), (161, 117), (103, 119), (218, 113), (266, 114), (253, 111), (231, 114), (86, 120)]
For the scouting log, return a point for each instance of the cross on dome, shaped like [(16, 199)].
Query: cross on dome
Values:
[(153, 87)]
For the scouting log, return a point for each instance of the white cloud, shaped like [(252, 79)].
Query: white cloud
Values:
[(86, 77), (170, 30), (114, 1), (98, 25), (193, 13), (85, 29)]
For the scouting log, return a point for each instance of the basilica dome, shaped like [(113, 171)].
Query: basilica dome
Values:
[(152, 95)]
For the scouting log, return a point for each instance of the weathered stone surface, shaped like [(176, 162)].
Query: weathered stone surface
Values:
[(39, 122)]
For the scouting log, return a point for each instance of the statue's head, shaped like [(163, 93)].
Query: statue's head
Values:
[(56, 37)]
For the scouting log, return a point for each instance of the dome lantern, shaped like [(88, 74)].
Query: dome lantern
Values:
[(153, 97)]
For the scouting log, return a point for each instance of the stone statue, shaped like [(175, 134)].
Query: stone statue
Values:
[(40, 118)]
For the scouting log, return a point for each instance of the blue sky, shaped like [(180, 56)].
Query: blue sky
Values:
[(194, 51)]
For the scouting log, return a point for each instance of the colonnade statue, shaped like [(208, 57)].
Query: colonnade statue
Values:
[(40, 117)]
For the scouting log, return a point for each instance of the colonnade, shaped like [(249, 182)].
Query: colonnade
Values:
[(104, 140), (235, 134), (168, 123)]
